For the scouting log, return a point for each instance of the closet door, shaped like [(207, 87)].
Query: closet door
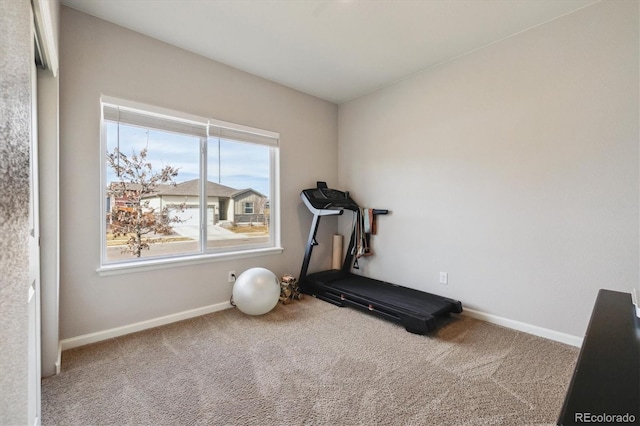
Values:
[(34, 265)]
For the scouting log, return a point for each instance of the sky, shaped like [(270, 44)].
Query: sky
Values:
[(243, 165)]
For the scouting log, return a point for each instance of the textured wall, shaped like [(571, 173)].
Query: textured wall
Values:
[(15, 131)]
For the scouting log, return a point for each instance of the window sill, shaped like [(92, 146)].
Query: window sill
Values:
[(154, 264)]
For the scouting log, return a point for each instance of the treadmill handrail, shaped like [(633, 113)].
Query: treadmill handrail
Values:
[(328, 211)]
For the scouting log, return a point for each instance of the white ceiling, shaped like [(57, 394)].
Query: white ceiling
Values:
[(335, 50)]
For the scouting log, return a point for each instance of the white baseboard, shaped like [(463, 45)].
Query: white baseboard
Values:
[(98, 336), (558, 336), (86, 339)]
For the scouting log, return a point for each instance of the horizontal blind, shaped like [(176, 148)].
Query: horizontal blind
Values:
[(238, 132), (134, 117), (133, 114)]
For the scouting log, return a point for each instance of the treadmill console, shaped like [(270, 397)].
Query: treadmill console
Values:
[(324, 198)]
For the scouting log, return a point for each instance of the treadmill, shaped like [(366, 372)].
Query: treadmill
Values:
[(415, 310)]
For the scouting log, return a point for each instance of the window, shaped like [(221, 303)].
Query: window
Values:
[(178, 186)]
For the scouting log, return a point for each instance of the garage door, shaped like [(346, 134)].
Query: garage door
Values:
[(190, 216)]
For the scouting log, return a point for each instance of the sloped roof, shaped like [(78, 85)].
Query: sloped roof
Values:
[(242, 191), (191, 188)]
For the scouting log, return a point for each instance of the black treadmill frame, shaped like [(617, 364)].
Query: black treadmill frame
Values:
[(415, 310)]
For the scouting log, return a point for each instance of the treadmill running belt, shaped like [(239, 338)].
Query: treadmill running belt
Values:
[(382, 293), (388, 294)]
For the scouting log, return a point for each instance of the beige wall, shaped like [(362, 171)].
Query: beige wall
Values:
[(100, 58), (514, 169)]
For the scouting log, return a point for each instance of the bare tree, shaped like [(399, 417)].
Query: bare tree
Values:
[(260, 205), (137, 219)]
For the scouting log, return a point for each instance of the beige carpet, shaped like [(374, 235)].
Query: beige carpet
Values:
[(310, 363)]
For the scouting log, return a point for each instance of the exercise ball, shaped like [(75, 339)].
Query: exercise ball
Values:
[(256, 291)]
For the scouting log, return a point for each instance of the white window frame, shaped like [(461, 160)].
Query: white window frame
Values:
[(224, 129), (247, 204)]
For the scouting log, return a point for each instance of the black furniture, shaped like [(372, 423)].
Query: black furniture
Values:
[(605, 388), (415, 310)]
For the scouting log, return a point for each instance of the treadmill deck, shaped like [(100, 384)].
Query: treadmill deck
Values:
[(416, 310)]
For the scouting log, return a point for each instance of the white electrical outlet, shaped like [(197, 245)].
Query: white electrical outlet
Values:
[(231, 277), (444, 278)]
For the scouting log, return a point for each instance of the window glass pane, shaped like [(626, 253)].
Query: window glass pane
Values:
[(238, 189), (153, 192), (153, 201)]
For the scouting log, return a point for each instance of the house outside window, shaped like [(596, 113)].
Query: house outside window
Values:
[(184, 186)]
